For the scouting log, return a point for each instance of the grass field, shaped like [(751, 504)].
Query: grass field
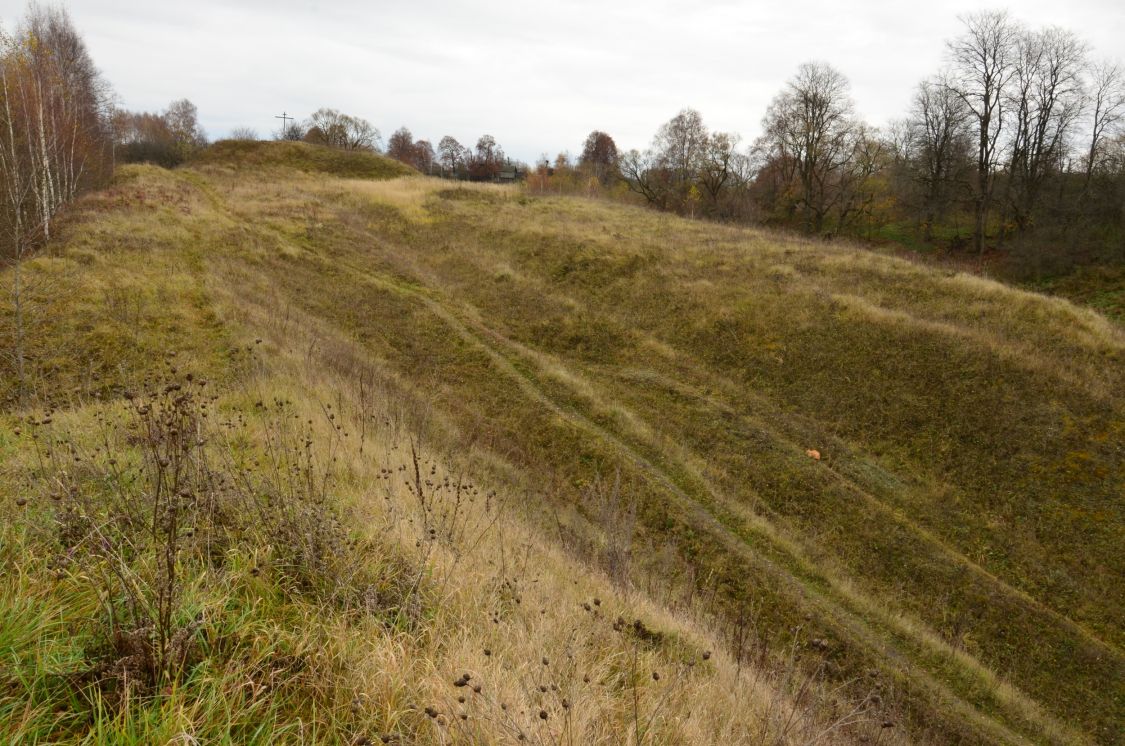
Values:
[(632, 402)]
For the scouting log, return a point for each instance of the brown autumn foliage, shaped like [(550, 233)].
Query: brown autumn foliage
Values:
[(54, 134)]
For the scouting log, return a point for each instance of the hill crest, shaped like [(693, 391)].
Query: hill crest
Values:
[(301, 156)]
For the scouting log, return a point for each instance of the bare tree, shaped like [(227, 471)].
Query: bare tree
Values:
[(487, 149), (291, 131), (343, 131), (246, 134), (182, 120), (599, 156), (983, 60), (1107, 111), (424, 156), (644, 177), (719, 168), (679, 146), (400, 145), (451, 155), (325, 126), (810, 129), (18, 215), (54, 142), (854, 184), (360, 134), (485, 162), (936, 144), (1045, 98)]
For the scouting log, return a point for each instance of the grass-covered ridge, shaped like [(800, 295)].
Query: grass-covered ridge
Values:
[(629, 400), (300, 156)]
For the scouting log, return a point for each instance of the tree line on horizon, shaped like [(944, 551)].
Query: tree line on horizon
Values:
[(1018, 140), (55, 137), (485, 161), (61, 131), (55, 143), (450, 159)]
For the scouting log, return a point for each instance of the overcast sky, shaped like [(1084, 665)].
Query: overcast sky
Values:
[(536, 75)]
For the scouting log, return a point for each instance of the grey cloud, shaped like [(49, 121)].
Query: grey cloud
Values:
[(537, 75)]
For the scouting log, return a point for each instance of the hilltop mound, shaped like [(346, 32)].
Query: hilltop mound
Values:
[(318, 159), (643, 479)]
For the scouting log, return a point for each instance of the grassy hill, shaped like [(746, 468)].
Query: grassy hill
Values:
[(310, 159), (645, 479)]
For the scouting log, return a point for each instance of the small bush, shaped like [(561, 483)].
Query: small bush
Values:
[(172, 492)]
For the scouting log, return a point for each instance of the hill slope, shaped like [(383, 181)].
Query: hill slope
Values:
[(303, 157), (643, 393)]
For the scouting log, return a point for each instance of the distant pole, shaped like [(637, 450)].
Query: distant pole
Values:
[(285, 119)]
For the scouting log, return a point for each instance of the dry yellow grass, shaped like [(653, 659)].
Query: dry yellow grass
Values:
[(537, 347), (695, 701), (498, 595), (409, 194)]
